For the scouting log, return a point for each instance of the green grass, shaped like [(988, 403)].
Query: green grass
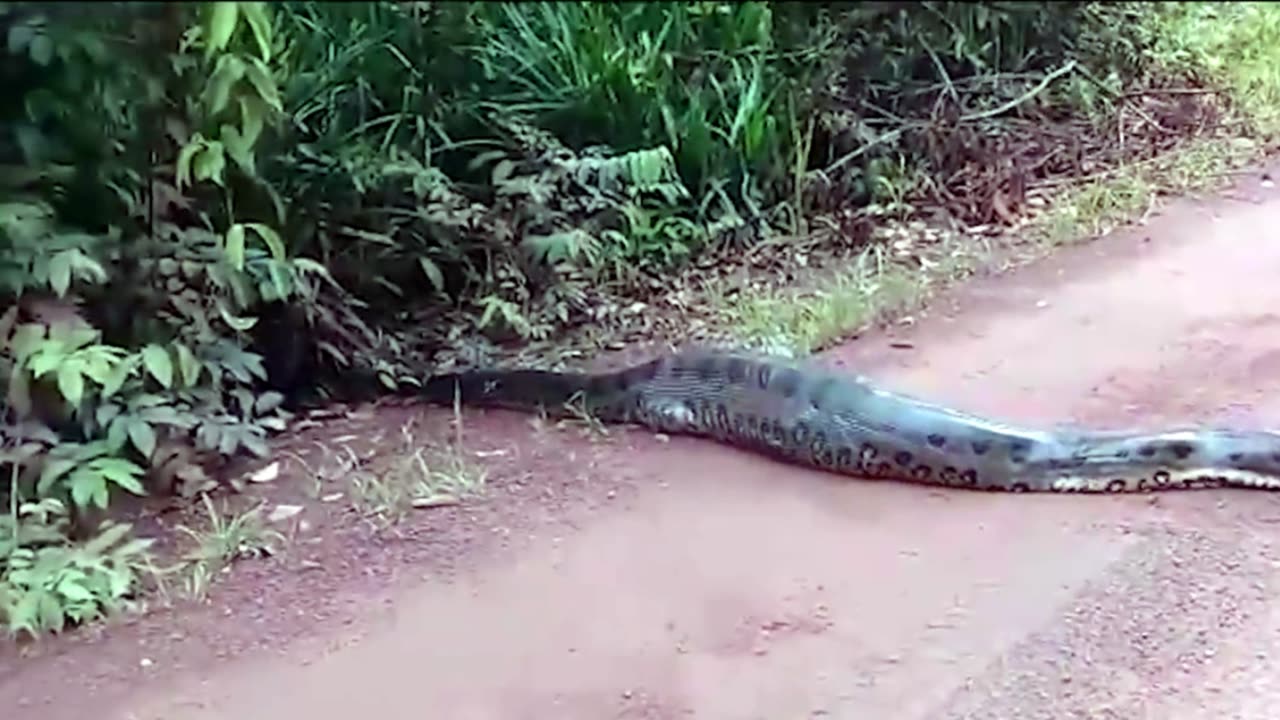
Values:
[(1236, 45), (226, 537), (417, 478), (878, 287)]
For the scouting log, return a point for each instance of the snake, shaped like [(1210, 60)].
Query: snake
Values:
[(806, 414)]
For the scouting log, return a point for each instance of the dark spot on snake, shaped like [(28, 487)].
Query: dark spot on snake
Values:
[(722, 417), (980, 447), (1018, 450), (969, 477), (844, 456), (818, 442), (800, 434), (936, 440), (1122, 454), (786, 381), (826, 458), (1020, 487), (884, 470), (1181, 450), (736, 369), (1117, 485), (773, 431), (1275, 457), (922, 472), (764, 371), (903, 458), (1235, 457), (1147, 450)]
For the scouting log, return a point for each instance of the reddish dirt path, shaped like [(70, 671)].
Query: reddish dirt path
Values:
[(683, 579)]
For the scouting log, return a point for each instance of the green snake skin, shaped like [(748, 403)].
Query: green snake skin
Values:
[(812, 416)]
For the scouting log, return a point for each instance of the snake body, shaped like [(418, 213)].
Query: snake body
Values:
[(812, 416)]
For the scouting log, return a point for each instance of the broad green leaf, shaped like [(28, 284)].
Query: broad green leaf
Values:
[(186, 155), (88, 488), (86, 268), (267, 402), (106, 413), (52, 471), (222, 24), (270, 237), (121, 472), (113, 382), (143, 437), (41, 50), (188, 366), (209, 163), (432, 271), (26, 340), (51, 355), (73, 336), (51, 614), (70, 588), (20, 35), (241, 152), (96, 364), (227, 444), (256, 14), (234, 247), (118, 433), (259, 75), (60, 272), (71, 382), (255, 445), (252, 119), (159, 364), (225, 75)]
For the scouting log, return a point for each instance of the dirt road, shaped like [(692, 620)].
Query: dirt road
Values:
[(702, 582)]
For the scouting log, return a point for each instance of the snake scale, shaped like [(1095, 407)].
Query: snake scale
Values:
[(811, 416)]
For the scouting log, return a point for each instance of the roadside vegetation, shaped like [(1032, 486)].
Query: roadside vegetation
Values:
[(214, 215)]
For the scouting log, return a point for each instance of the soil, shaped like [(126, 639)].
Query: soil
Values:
[(634, 576)]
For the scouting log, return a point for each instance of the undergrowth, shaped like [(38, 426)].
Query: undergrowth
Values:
[(214, 214), (1226, 57)]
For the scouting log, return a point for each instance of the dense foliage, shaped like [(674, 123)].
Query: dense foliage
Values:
[(210, 211)]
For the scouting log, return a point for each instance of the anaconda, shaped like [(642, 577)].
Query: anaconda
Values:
[(812, 416)]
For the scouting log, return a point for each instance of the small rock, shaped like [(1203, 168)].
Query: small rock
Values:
[(283, 512), (145, 662), (266, 474)]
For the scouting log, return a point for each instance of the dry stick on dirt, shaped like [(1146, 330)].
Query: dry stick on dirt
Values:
[(971, 117)]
